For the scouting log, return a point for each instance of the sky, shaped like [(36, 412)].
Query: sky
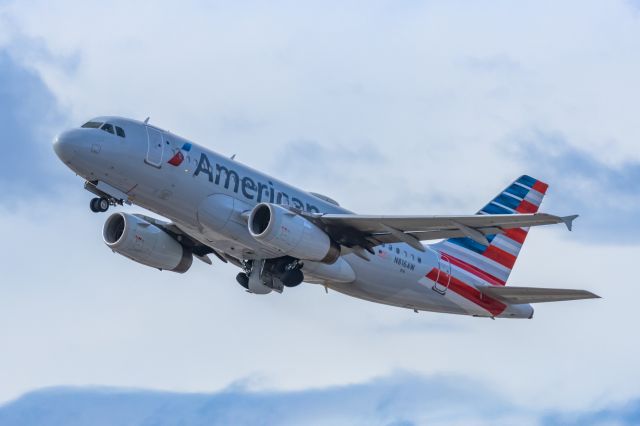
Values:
[(389, 107)]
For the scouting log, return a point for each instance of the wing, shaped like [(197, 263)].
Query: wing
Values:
[(516, 295), (353, 230), (199, 250)]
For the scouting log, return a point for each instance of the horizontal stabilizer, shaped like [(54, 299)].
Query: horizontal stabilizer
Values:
[(517, 295)]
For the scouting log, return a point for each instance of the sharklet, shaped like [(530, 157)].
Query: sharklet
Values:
[(568, 221)]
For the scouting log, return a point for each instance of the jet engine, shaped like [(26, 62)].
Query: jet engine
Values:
[(291, 234), (145, 243)]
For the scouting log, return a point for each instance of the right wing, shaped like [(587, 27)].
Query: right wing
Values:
[(517, 295), (353, 230)]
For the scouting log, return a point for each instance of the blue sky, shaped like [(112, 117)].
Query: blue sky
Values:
[(588, 185), (388, 107)]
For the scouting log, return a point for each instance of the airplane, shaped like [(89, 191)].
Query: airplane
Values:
[(280, 236)]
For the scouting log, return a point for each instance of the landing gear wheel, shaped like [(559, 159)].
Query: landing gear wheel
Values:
[(93, 205), (103, 204), (292, 278), (243, 280), (99, 205)]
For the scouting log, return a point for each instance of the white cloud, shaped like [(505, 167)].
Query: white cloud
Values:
[(401, 76), (432, 88)]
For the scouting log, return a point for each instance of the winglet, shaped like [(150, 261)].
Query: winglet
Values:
[(568, 221)]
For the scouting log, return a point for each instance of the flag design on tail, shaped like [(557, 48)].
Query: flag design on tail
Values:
[(492, 264)]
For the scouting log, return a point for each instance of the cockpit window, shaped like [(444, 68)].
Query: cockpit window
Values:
[(92, 125), (107, 128)]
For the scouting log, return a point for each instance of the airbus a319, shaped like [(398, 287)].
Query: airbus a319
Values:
[(280, 236)]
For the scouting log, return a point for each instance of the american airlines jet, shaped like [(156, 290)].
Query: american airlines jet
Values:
[(280, 236)]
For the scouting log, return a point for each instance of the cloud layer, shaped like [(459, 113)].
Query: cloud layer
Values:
[(398, 400), (388, 107)]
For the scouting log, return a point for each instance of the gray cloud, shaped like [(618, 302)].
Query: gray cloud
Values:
[(29, 115), (607, 196), (400, 399)]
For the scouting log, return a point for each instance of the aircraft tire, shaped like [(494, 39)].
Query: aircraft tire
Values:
[(243, 280), (102, 204), (292, 278), (93, 205)]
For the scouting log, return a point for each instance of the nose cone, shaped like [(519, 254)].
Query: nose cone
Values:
[(66, 145)]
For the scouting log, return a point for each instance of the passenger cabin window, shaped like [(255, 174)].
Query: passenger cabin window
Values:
[(107, 128), (92, 125), (120, 132)]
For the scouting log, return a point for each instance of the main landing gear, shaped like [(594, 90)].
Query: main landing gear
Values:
[(243, 279), (292, 275), (100, 205), (271, 274)]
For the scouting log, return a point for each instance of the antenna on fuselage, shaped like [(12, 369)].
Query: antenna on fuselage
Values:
[(233, 157), (146, 120)]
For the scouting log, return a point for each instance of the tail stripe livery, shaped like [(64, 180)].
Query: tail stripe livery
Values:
[(477, 260), (497, 259), (468, 293), (475, 265), (473, 272)]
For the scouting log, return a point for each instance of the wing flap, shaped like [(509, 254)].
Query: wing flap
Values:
[(426, 223), (517, 295), (388, 228)]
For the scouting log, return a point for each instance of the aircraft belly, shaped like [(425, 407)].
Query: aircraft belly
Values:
[(379, 282)]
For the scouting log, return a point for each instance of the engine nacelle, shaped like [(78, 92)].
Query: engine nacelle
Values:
[(291, 234), (145, 243)]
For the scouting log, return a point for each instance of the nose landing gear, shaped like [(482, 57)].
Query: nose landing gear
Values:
[(99, 205), (106, 196)]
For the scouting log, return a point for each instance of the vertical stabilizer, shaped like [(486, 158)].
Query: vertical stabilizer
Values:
[(493, 262)]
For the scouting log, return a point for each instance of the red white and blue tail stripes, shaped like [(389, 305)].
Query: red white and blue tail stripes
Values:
[(493, 263), (474, 264)]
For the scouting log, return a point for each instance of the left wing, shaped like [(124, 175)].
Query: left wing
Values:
[(353, 230)]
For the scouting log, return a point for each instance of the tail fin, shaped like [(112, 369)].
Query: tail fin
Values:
[(493, 263)]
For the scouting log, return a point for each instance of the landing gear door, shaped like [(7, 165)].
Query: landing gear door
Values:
[(443, 278), (155, 147)]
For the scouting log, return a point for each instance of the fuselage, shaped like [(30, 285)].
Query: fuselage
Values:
[(208, 196)]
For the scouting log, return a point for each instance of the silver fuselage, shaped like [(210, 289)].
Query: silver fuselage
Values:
[(209, 195)]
